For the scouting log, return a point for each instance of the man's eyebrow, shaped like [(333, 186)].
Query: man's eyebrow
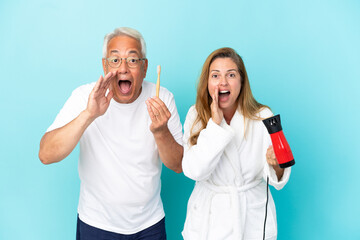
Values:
[(134, 51), (130, 52)]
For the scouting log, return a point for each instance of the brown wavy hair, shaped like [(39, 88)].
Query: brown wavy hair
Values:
[(247, 104)]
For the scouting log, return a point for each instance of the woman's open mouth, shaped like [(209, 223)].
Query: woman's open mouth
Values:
[(224, 95)]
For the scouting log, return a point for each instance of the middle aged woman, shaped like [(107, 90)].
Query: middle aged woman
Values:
[(228, 152)]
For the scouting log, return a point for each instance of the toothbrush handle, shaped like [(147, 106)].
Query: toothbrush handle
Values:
[(158, 86)]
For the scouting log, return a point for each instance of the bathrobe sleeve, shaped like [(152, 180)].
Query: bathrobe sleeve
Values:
[(200, 160), (273, 181), (268, 169)]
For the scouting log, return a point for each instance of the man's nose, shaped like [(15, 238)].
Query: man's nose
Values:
[(123, 68)]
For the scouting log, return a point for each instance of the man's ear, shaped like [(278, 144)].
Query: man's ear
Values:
[(104, 66), (145, 67)]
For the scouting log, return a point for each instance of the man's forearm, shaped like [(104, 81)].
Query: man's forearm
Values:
[(170, 151), (59, 143)]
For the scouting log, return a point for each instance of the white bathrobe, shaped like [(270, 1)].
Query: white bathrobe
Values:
[(230, 170)]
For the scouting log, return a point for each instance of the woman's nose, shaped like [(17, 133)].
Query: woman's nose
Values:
[(223, 81)]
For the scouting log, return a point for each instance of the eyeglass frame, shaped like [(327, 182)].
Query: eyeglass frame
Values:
[(107, 61)]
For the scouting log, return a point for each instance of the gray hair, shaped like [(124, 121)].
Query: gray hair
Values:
[(127, 32)]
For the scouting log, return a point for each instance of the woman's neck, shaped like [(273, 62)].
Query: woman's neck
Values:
[(228, 114)]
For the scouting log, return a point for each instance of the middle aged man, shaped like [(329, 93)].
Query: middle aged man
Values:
[(122, 131)]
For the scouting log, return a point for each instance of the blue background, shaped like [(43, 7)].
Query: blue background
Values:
[(303, 60)]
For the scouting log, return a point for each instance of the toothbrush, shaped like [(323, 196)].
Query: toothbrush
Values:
[(158, 81)]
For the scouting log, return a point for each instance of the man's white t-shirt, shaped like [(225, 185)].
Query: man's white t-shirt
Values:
[(119, 164)]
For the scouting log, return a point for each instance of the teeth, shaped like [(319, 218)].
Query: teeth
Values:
[(224, 91)]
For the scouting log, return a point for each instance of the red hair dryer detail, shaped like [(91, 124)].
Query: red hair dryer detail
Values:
[(281, 147)]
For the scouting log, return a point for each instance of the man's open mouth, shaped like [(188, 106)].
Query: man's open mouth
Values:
[(125, 86)]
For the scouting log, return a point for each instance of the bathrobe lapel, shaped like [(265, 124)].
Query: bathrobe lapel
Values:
[(231, 153)]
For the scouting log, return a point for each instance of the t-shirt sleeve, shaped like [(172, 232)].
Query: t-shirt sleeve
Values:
[(72, 108), (174, 123)]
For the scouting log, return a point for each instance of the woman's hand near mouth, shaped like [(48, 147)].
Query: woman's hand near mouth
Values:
[(216, 113)]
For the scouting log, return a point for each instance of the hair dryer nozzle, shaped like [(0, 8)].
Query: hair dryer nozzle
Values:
[(273, 124)]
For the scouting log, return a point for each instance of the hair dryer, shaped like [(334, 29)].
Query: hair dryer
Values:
[(281, 147)]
